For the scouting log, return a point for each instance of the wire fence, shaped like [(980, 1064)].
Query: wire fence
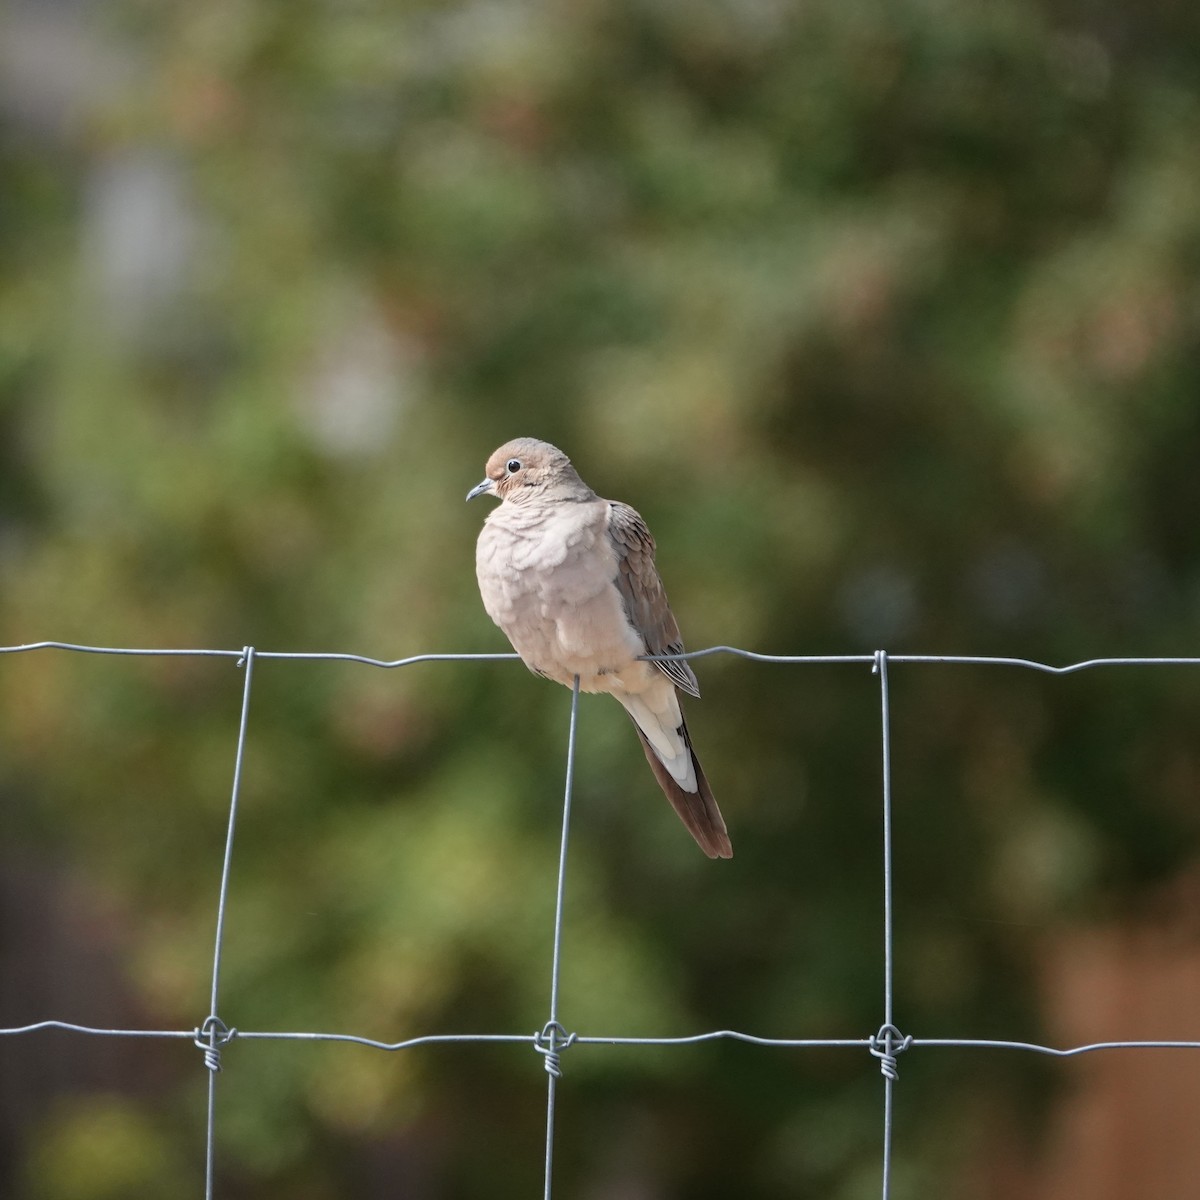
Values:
[(886, 1044)]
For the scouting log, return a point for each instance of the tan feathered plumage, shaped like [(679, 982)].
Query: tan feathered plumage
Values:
[(570, 579)]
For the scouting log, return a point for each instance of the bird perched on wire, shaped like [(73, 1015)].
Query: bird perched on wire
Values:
[(570, 579)]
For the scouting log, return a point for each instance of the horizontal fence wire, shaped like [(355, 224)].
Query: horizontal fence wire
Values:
[(212, 1034)]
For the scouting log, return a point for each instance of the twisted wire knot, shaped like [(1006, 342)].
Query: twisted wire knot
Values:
[(885, 1046), (210, 1037), (550, 1043)]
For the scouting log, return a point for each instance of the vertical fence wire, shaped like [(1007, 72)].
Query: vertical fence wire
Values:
[(217, 1033), (885, 1045), (887, 1059), (881, 669), (888, 1043), (553, 1039)]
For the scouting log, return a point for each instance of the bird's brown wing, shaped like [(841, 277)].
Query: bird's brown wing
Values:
[(643, 594)]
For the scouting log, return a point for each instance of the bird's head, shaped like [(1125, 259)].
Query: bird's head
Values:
[(526, 471)]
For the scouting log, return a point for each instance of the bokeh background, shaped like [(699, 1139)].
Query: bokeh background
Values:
[(886, 315)]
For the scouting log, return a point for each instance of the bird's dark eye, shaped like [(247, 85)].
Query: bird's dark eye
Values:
[(513, 465)]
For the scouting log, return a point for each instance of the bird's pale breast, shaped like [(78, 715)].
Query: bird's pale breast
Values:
[(546, 578)]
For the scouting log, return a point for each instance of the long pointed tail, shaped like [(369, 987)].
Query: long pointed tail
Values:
[(697, 810)]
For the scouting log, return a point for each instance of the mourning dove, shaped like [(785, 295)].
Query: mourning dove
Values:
[(570, 579)]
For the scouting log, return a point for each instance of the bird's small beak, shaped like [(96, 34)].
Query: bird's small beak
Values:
[(483, 488)]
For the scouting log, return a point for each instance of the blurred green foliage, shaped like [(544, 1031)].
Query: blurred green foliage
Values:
[(885, 315)]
